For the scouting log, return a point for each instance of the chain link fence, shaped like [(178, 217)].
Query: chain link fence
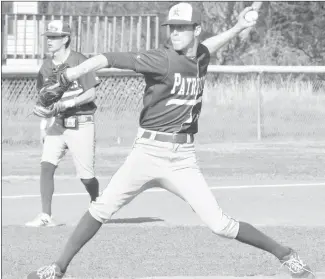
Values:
[(236, 107)]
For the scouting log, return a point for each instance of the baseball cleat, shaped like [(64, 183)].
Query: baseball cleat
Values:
[(42, 220), (47, 272), (296, 266)]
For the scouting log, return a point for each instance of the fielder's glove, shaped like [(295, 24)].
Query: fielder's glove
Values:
[(54, 109), (62, 77), (49, 95)]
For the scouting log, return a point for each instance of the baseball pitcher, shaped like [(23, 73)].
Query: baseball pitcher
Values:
[(163, 153)]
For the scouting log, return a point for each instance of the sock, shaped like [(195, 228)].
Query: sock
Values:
[(47, 186), (85, 230), (92, 187), (250, 235)]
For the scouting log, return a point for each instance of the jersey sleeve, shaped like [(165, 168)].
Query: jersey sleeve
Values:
[(39, 81), (152, 62), (89, 80), (43, 74)]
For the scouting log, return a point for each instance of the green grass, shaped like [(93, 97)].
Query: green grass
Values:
[(290, 109), (133, 251), (137, 250), (243, 162)]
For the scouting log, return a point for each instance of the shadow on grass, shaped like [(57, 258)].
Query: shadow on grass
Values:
[(136, 220)]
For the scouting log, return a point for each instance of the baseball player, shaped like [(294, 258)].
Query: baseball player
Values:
[(163, 153), (73, 128)]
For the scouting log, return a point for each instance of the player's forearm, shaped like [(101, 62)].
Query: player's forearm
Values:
[(86, 97), (216, 42), (92, 64), (119, 60)]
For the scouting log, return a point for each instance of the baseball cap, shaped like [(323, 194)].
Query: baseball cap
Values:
[(57, 28), (183, 13)]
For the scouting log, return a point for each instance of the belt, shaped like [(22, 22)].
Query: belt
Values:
[(85, 118), (82, 118), (168, 137)]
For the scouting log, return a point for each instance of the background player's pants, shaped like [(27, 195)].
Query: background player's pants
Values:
[(80, 141), (172, 167)]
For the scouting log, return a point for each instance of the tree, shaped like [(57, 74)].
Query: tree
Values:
[(287, 33)]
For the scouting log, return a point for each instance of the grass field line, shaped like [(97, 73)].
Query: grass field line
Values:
[(159, 190), (319, 275), (194, 277)]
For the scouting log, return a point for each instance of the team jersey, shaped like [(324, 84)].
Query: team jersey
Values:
[(172, 99), (77, 88)]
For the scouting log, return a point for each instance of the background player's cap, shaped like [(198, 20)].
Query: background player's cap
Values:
[(57, 28), (183, 13)]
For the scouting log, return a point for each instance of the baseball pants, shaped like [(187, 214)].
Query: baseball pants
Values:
[(80, 141), (170, 166)]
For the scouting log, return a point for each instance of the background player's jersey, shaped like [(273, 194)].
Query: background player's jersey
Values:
[(77, 88), (174, 86)]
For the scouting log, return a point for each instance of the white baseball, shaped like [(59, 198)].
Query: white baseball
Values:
[(251, 16)]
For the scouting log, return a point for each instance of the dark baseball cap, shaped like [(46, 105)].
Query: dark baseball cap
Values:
[(57, 28), (183, 13)]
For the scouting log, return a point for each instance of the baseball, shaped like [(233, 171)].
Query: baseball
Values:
[(251, 16)]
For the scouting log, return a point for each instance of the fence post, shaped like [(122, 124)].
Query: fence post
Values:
[(96, 31), (139, 31), (35, 45), (114, 33), (122, 33), (157, 33), (87, 42), (25, 36), (105, 34), (259, 108), (148, 38), (4, 39), (131, 34), (78, 39)]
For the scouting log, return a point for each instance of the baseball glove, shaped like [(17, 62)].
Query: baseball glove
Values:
[(51, 93)]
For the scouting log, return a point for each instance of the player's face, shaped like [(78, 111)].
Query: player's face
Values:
[(182, 36), (54, 43)]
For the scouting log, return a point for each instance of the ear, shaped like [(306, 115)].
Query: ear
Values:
[(66, 38), (197, 30)]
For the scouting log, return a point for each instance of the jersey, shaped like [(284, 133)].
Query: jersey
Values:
[(172, 98), (77, 88)]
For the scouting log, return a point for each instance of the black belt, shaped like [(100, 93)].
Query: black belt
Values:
[(81, 118), (173, 138)]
